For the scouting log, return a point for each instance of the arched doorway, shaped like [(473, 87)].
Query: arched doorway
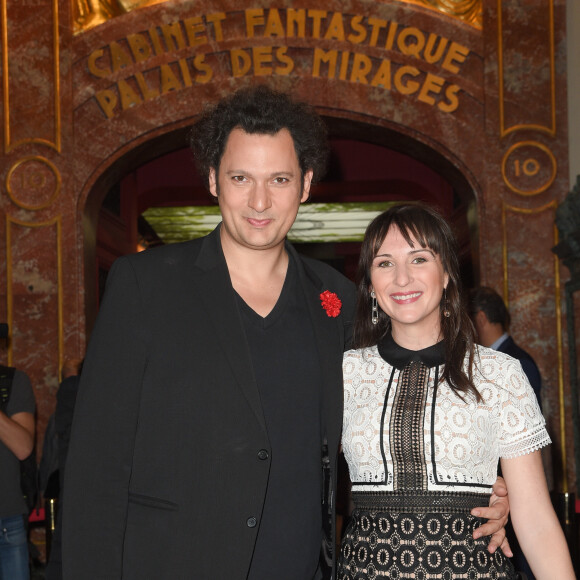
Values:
[(162, 200)]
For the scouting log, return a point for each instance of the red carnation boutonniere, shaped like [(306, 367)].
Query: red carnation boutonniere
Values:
[(331, 303)]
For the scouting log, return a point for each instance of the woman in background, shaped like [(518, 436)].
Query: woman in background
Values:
[(427, 414)]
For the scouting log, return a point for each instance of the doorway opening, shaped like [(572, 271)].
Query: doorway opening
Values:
[(158, 198)]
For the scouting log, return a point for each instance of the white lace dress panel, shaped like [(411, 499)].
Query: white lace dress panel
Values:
[(461, 440)]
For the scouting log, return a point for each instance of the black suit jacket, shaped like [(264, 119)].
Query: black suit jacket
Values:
[(528, 364), (165, 473)]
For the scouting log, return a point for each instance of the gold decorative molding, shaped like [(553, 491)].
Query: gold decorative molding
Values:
[(551, 130), (469, 11), (56, 141), (526, 169), (29, 174), (9, 280), (91, 13), (558, 307)]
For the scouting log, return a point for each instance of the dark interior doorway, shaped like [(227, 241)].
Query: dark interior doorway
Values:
[(367, 164)]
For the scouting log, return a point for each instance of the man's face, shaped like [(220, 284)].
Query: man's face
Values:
[(260, 189)]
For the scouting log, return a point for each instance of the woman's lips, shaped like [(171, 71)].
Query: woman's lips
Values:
[(406, 298)]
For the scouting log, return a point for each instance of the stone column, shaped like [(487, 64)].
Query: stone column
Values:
[(526, 145), (41, 294)]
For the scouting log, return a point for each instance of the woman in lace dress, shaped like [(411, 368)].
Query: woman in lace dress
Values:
[(427, 415)]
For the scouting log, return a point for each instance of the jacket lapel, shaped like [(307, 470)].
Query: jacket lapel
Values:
[(210, 279), (329, 336), (212, 283)]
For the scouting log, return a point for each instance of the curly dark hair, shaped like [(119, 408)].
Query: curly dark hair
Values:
[(260, 110), (428, 227)]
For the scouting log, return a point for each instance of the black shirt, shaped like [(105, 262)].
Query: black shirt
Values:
[(287, 373), (21, 401)]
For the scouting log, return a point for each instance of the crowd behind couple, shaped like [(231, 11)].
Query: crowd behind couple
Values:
[(223, 374)]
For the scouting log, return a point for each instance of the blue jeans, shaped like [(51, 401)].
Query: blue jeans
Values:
[(13, 549)]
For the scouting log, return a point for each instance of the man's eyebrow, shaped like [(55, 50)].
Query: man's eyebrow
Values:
[(272, 174)]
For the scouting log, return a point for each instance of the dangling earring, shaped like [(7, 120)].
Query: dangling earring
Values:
[(375, 313), (446, 311)]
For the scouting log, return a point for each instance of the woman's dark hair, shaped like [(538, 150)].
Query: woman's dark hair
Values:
[(425, 225), (260, 110)]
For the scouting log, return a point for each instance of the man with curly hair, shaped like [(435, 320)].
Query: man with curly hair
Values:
[(209, 411)]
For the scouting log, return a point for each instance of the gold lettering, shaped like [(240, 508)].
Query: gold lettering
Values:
[(453, 100), (412, 48), (317, 16), (344, 61), (361, 67), (382, 77), (119, 57), (254, 17), (356, 25), (169, 82), (335, 30), (262, 56), (129, 98), (139, 47), (391, 35), (531, 167), (156, 41), (409, 87), (455, 53), (94, 68), (241, 62), (204, 68), (274, 24), (195, 29), (147, 92), (173, 36), (376, 24), (428, 54), (284, 59), (432, 84), (262, 61), (321, 56), (295, 19), (216, 21), (33, 180), (107, 100), (185, 72)]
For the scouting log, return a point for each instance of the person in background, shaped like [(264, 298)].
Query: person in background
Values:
[(63, 418), (492, 323), (16, 443), (427, 415), (492, 319)]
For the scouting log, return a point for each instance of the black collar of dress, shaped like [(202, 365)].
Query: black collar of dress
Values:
[(400, 357)]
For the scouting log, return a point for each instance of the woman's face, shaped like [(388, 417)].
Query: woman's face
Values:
[(409, 282)]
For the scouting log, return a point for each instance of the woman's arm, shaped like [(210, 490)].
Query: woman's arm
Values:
[(534, 520)]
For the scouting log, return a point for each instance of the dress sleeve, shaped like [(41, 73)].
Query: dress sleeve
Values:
[(523, 427)]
